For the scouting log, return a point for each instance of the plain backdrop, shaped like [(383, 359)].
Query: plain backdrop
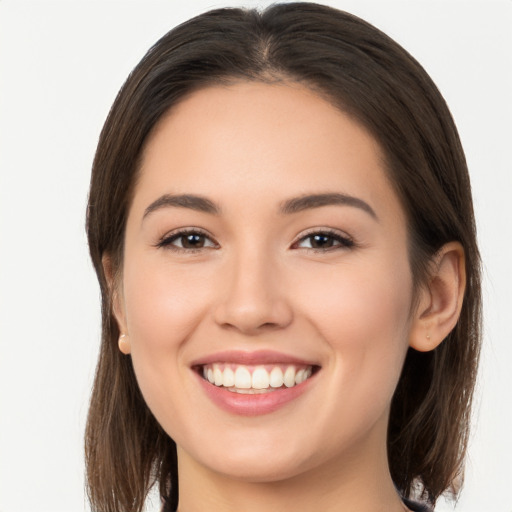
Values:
[(61, 65)]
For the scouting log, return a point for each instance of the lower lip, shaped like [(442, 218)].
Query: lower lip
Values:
[(252, 405)]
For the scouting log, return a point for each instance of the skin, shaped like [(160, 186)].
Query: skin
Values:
[(257, 284)]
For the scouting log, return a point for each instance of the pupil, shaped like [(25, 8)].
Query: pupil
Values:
[(322, 241), (193, 241)]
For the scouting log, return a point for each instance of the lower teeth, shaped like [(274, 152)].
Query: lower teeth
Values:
[(251, 391)]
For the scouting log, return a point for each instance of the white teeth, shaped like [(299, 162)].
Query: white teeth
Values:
[(260, 378), (229, 377), (217, 375), (289, 377), (241, 380), (299, 377), (276, 377)]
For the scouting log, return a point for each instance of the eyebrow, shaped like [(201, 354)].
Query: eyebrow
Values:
[(193, 202), (290, 206), (306, 202)]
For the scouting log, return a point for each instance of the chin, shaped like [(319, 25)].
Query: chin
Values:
[(260, 469), (259, 458)]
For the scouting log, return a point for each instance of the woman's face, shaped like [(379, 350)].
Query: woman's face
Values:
[(265, 246)]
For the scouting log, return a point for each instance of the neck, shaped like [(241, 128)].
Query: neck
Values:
[(358, 482)]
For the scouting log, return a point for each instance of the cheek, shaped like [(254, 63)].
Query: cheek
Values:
[(162, 303), (360, 298), (163, 306), (363, 315)]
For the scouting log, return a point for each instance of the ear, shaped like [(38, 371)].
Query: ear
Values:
[(116, 302), (440, 299)]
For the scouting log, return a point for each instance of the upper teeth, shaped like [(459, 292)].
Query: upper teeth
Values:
[(240, 377)]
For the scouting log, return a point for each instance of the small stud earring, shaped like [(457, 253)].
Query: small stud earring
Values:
[(428, 337), (124, 344)]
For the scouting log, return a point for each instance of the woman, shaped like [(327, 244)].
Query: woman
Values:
[(281, 222)]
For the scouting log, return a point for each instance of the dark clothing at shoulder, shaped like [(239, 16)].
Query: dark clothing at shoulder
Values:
[(417, 507)]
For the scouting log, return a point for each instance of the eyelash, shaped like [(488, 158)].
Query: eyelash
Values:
[(168, 239), (343, 242)]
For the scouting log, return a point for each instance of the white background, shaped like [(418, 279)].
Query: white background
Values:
[(61, 64)]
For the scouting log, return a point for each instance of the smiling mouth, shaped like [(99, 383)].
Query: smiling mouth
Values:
[(257, 379)]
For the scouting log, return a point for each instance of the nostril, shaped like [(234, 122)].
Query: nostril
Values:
[(253, 318), (269, 325)]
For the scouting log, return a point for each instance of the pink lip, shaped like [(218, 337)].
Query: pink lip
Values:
[(251, 358), (245, 404), (252, 405)]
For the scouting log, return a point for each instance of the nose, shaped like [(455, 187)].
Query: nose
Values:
[(254, 298)]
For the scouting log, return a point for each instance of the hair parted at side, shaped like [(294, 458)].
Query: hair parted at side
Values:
[(368, 76)]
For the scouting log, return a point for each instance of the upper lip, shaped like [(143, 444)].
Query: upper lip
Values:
[(244, 357)]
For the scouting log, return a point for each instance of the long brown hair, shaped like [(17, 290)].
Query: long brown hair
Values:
[(367, 75)]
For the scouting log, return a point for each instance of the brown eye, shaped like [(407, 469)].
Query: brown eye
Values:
[(324, 241), (192, 241), (321, 241), (187, 240)]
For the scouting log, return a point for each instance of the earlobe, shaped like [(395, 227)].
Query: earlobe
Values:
[(124, 344), (440, 300), (116, 302)]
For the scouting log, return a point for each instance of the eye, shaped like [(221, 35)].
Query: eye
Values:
[(187, 240), (324, 241)]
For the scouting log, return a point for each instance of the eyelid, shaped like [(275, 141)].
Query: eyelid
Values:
[(166, 240), (344, 239)]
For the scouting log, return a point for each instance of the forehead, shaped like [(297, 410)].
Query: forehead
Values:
[(258, 142)]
